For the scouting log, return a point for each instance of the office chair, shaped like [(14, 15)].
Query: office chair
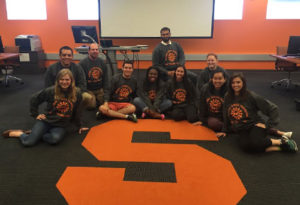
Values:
[(10, 64), (285, 66)]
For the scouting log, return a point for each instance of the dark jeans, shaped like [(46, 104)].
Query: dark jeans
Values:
[(215, 124), (43, 130), (188, 112), (254, 139), (141, 105)]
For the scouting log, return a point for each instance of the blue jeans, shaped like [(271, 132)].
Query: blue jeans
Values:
[(43, 130), (141, 105)]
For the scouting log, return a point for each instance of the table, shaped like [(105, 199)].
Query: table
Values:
[(7, 56), (288, 64), (290, 60)]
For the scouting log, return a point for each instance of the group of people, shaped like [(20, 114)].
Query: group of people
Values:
[(212, 99)]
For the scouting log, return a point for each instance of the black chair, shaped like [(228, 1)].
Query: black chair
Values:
[(8, 67), (281, 65)]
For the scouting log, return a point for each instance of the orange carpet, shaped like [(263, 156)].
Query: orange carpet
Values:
[(202, 177)]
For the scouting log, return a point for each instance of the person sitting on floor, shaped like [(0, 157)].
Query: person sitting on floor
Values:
[(211, 101), (151, 101), (241, 115), (63, 105), (182, 94), (117, 103)]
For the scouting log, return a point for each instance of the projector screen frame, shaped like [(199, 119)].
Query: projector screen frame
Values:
[(158, 35)]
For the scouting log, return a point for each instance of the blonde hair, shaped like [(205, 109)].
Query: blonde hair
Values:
[(71, 92)]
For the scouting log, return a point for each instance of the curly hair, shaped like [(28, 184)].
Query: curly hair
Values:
[(147, 83)]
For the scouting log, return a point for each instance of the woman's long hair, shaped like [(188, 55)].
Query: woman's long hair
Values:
[(224, 86), (71, 91), (147, 83), (243, 93), (187, 84)]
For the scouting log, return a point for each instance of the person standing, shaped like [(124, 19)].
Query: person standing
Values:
[(168, 55)]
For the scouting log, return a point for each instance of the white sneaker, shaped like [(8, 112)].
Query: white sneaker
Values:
[(287, 134)]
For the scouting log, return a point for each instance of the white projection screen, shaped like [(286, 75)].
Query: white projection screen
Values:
[(145, 18)]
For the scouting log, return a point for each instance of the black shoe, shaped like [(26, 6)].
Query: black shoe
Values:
[(132, 118), (98, 115)]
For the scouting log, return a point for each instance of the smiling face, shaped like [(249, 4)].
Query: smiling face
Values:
[(218, 80), (212, 62), (152, 75), (127, 70), (65, 82), (179, 73), (66, 57), (237, 85), (93, 51)]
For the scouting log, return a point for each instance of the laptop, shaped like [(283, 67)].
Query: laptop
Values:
[(106, 43), (294, 46)]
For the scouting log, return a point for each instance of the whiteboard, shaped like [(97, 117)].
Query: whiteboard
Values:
[(145, 18)]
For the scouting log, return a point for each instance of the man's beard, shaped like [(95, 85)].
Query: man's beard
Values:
[(93, 56), (166, 40)]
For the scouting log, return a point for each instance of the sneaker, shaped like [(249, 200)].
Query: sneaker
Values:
[(287, 134), (288, 145), (132, 118)]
